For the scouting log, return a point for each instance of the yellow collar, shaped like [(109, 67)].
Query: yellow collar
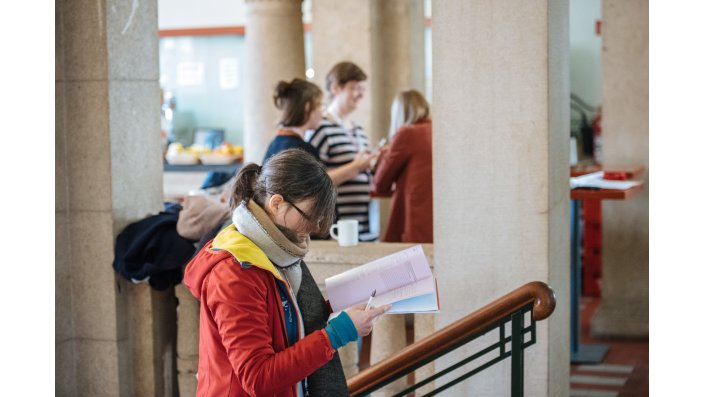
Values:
[(243, 249)]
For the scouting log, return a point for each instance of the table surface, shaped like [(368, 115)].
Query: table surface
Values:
[(604, 194)]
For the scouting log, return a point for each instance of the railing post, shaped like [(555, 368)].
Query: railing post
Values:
[(518, 354)]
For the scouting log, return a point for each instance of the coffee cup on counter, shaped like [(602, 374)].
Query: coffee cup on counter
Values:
[(346, 232)]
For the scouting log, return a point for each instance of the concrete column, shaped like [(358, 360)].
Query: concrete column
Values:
[(624, 309), (274, 48), (501, 96), (108, 173), (342, 31), (187, 340), (397, 47), (397, 56)]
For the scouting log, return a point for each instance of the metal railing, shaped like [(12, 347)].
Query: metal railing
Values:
[(508, 311)]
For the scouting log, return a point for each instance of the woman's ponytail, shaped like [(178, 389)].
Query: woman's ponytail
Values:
[(281, 94), (245, 184)]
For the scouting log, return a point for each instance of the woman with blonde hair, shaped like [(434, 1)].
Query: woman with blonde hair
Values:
[(405, 170)]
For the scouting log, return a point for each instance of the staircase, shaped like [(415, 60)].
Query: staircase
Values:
[(534, 300)]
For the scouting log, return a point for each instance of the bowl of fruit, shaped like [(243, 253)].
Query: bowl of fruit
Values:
[(223, 154), (177, 154)]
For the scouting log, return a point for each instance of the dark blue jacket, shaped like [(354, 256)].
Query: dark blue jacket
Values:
[(283, 142), (152, 248)]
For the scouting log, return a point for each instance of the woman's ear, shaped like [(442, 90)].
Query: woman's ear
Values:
[(335, 88), (274, 202)]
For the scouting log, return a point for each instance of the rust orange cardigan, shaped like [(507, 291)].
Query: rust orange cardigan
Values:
[(405, 169)]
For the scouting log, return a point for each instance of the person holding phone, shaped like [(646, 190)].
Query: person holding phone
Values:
[(404, 169), (340, 142)]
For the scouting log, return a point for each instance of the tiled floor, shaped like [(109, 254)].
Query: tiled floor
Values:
[(624, 371)]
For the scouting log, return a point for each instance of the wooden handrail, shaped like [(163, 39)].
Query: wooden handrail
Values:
[(536, 292)]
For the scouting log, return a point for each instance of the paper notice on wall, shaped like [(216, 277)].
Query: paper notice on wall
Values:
[(228, 74), (189, 73)]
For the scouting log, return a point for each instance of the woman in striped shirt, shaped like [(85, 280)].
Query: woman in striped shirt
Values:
[(342, 144)]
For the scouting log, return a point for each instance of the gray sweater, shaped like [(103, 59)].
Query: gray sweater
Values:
[(329, 380)]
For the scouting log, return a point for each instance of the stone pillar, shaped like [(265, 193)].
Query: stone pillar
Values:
[(187, 340), (341, 31), (108, 173), (624, 309), (274, 48), (397, 45), (397, 56), (501, 122)]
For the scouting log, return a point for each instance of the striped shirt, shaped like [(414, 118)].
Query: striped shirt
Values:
[(336, 146)]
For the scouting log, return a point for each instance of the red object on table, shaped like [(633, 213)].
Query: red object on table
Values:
[(615, 176)]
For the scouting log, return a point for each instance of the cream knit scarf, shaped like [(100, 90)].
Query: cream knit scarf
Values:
[(252, 221)]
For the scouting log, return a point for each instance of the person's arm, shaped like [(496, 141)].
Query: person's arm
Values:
[(362, 161), (239, 307), (392, 162)]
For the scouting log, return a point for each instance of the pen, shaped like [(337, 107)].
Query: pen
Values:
[(369, 301)]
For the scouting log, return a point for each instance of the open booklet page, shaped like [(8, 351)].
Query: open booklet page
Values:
[(403, 279)]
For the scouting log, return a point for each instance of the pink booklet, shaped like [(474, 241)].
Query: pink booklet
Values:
[(402, 279)]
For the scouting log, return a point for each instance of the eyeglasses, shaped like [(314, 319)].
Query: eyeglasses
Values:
[(303, 214), (358, 88), (307, 217)]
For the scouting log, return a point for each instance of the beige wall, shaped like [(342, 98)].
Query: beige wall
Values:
[(341, 31), (397, 48), (108, 173), (501, 96), (624, 309)]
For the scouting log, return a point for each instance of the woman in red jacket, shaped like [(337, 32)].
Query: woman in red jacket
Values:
[(263, 328), (405, 170)]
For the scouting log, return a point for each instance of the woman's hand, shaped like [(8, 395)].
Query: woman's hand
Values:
[(364, 319), (380, 153), (364, 160)]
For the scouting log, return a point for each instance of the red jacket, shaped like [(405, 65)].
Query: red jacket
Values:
[(408, 165), (243, 343)]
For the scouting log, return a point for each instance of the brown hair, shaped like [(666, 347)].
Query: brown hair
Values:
[(296, 175), (291, 98), (342, 73)]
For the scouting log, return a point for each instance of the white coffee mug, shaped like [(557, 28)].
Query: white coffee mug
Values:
[(347, 233)]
